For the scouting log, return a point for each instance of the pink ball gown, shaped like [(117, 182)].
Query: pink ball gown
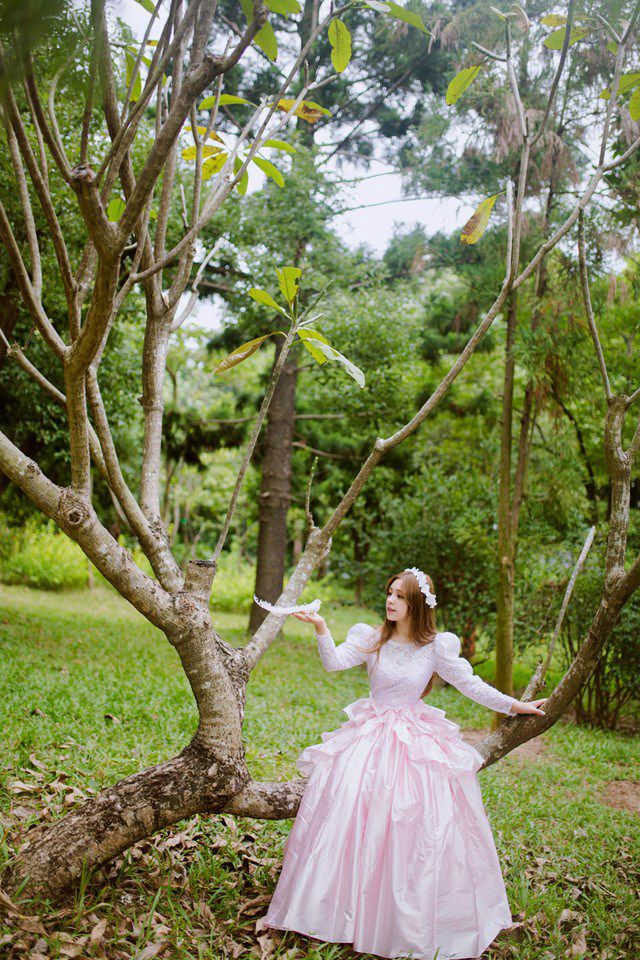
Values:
[(391, 849)]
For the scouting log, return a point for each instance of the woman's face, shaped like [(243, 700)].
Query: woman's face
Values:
[(397, 607)]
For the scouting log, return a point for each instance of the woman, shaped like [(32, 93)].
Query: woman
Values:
[(391, 849)]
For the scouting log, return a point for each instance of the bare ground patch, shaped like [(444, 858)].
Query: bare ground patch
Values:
[(623, 795)]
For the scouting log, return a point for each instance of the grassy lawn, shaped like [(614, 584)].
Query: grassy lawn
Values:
[(89, 692)]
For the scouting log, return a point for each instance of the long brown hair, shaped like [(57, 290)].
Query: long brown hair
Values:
[(422, 618)]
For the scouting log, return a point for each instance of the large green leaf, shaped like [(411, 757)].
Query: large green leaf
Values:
[(270, 170), (284, 7), (261, 296), (634, 105), (555, 40), (241, 353), (460, 82), (265, 38), (243, 182), (148, 5), (628, 81), (400, 13), (288, 282), (332, 354), (306, 335), (340, 40), (279, 145), (137, 83), (477, 224), (226, 100), (115, 209)]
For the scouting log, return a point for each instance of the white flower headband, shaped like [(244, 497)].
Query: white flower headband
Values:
[(424, 586)]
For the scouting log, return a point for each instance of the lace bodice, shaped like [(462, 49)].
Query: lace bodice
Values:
[(400, 673)]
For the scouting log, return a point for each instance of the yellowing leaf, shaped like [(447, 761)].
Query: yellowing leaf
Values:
[(307, 109), (340, 40), (241, 353), (288, 282), (554, 20), (460, 82), (214, 165), (476, 226), (202, 130), (189, 153)]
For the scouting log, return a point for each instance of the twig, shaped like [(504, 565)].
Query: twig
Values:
[(588, 309), (537, 680)]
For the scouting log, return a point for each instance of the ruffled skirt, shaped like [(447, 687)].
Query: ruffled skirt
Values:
[(391, 849)]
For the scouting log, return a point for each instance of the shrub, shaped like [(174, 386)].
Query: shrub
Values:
[(40, 555)]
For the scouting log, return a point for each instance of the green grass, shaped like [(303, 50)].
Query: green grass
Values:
[(89, 692)]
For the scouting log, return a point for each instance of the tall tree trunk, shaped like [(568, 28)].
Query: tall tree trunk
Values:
[(509, 503), (506, 546), (275, 490)]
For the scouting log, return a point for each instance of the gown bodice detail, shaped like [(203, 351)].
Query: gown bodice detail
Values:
[(399, 672)]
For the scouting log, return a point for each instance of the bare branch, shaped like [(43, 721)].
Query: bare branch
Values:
[(558, 74), (513, 83), (46, 328), (588, 309), (27, 210)]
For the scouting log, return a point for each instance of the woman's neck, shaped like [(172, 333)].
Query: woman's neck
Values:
[(401, 632)]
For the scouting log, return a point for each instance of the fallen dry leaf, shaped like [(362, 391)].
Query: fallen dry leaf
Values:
[(151, 950), (98, 931)]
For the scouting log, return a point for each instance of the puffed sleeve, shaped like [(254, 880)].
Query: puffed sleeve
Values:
[(348, 654), (457, 671)]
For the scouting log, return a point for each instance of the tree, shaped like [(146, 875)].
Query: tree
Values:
[(210, 773)]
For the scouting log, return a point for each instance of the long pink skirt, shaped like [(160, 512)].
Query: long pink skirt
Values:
[(391, 849)]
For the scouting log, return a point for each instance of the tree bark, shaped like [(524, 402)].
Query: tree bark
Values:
[(275, 489)]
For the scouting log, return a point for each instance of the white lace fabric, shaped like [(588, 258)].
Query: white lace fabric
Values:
[(401, 672)]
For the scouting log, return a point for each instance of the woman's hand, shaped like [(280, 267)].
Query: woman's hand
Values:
[(314, 618), (529, 706)]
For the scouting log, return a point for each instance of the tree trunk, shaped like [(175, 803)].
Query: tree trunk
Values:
[(275, 490), (506, 548)]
